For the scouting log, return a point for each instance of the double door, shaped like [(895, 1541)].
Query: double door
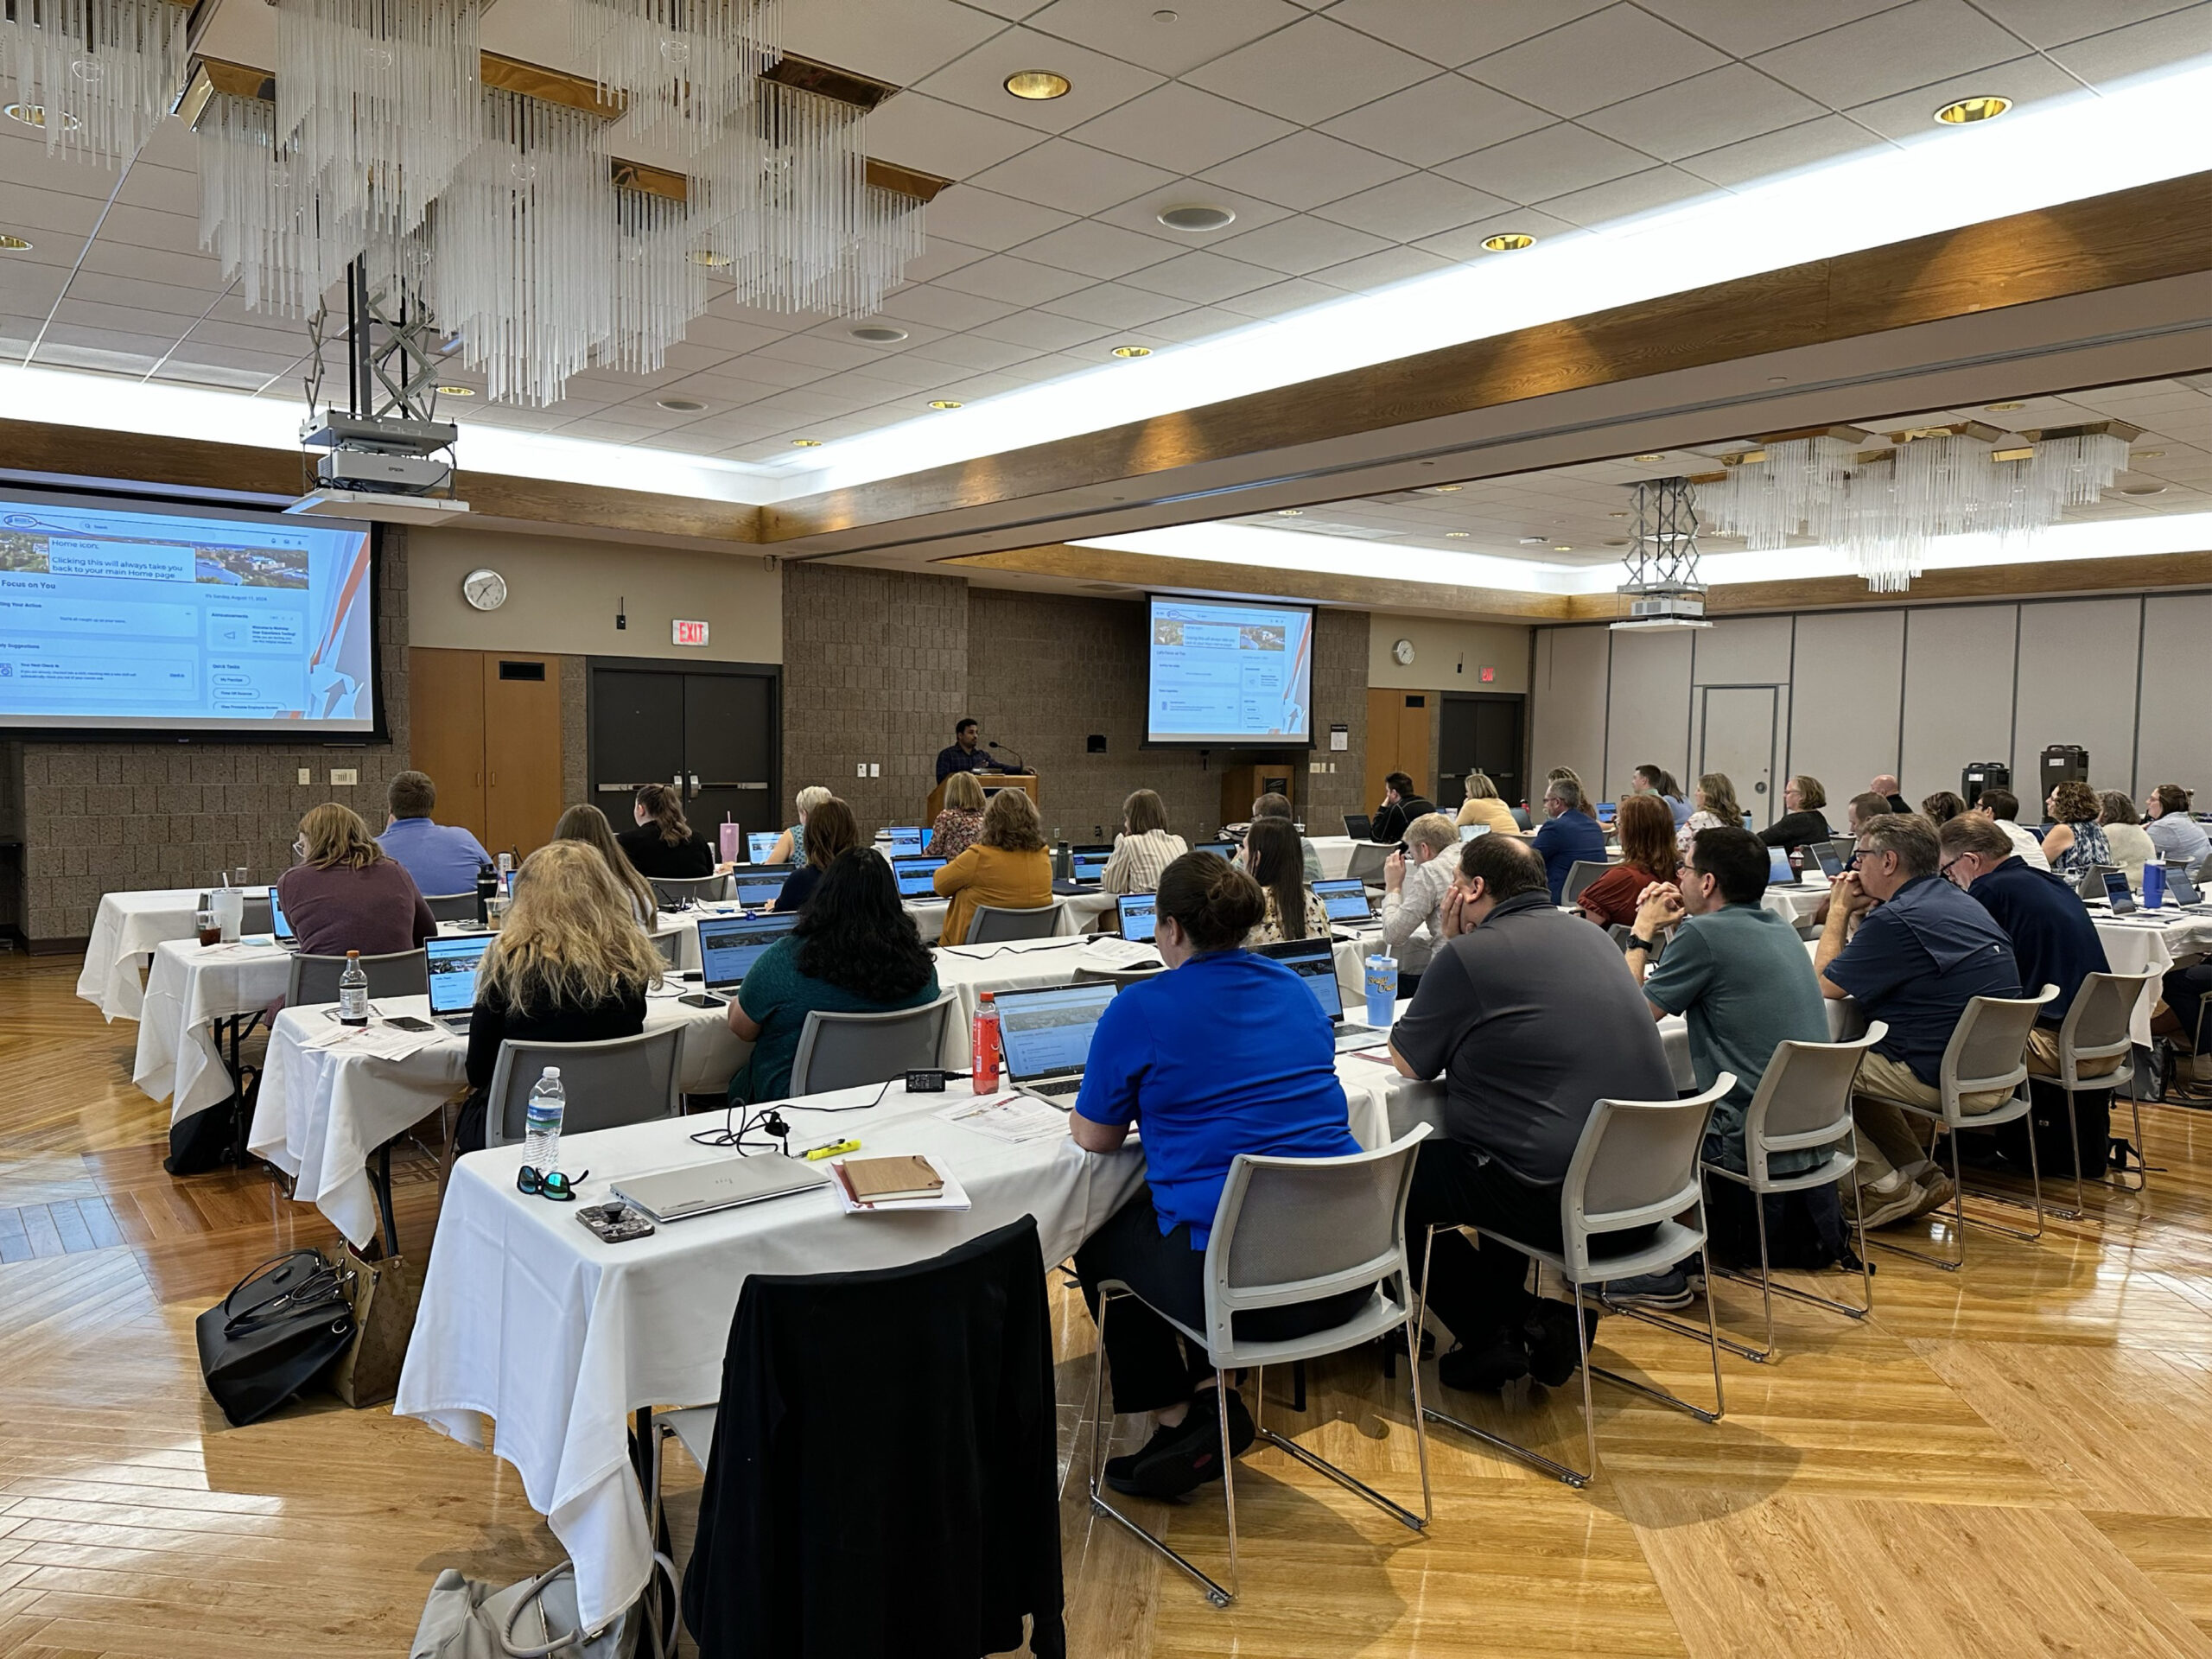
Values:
[(486, 727), (1477, 731), (711, 731)]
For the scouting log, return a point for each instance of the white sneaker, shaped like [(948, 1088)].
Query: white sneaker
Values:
[(1888, 1208)]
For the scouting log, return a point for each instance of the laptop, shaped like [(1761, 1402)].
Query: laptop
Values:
[(729, 945), (1086, 869), (759, 885), (1222, 850), (452, 961), (1606, 811), (280, 926), (1045, 1037), (1137, 916), (1469, 831), (914, 876), (2116, 891), (1358, 826), (761, 843), (700, 1188), (1315, 961), (1345, 900), (1778, 873), (2181, 887), (1830, 865), (908, 840)]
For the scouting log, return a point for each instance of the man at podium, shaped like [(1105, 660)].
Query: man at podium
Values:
[(964, 755)]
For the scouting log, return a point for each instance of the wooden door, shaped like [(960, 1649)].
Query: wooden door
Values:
[(1401, 737), (445, 693), (522, 750)]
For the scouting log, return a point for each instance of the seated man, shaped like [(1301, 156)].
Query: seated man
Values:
[(1886, 787), (1923, 952), (1525, 1011), (2053, 941), (1570, 835), (443, 858), (1402, 804), (1862, 810), (2002, 808), (1414, 885)]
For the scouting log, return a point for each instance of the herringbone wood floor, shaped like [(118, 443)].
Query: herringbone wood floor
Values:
[(2014, 1461)]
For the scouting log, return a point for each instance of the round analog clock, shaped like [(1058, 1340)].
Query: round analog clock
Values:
[(1403, 652), (485, 589)]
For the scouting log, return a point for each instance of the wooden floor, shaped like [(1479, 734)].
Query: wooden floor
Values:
[(2016, 1461)]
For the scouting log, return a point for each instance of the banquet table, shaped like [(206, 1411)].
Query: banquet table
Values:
[(125, 930), (190, 990), (1335, 854)]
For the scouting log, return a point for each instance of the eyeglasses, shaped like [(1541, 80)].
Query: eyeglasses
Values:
[(552, 1184), (1944, 869), (299, 847)]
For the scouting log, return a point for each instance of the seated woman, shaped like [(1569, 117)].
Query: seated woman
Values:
[(347, 893), (587, 824), (1649, 853), (2076, 841), (1482, 806), (570, 965), (831, 829), (957, 827), (853, 951), (2130, 843), (1293, 910), (1227, 1053), (1716, 810), (663, 844), (1942, 807), (1144, 848), (1007, 867), (791, 846)]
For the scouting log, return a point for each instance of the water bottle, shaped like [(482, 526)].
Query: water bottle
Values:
[(353, 992), (1381, 990), (229, 905), (983, 1046), (548, 1102), (488, 888), (2154, 885)]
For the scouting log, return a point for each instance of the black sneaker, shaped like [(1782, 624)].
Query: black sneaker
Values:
[(1120, 1472), (1487, 1366), (1553, 1354), (1176, 1461), (1666, 1290)]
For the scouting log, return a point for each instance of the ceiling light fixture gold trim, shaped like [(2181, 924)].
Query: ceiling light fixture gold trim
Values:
[(1967, 110), (944, 402), (806, 443), (1133, 351), (456, 391), (1509, 242), (1038, 85)]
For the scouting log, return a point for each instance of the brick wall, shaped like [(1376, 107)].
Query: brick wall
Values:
[(1339, 697), (100, 817)]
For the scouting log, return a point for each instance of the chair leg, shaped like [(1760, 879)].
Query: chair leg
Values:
[(2142, 1157), (1711, 1336), (1228, 1478), (1589, 1411)]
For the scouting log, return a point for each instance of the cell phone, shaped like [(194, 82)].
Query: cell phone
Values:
[(614, 1223), (700, 1000), (409, 1022)]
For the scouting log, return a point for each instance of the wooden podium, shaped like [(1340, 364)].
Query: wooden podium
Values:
[(992, 782)]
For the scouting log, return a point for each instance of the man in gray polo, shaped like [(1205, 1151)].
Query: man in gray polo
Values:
[(1526, 1014)]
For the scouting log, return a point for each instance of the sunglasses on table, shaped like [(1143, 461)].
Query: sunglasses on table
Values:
[(554, 1183)]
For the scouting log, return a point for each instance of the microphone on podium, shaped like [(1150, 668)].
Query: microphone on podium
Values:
[(1019, 765)]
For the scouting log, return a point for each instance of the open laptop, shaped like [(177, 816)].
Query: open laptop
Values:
[(1778, 873), (2117, 894), (1607, 810), (1222, 849), (2181, 887), (729, 945), (1045, 1036), (759, 885), (908, 840), (280, 926), (1086, 870), (1469, 831), (454, 959), (914, 876), (1345, 900), (1315, 961), (1831, 864), (1137, 916), (761, 843), (1358, 825), (700, 1188)]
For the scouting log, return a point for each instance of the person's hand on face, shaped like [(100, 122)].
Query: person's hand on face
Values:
[(1453, 919), (1847, 892), (1394, 872)]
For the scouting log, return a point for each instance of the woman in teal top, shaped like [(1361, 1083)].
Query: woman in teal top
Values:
[(853, 951)]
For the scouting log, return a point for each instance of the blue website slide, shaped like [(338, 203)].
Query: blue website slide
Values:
[(1139, 917), (453, 965), (728, 949), (1046, 1032), (913, 875), (1345, 901), (1226, 672), (1318, 968)]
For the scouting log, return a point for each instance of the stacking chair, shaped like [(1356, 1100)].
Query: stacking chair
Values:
[(843, 1050), (314, 979), (1365, 865), (1636, 1164), (995, 923), (674, 890), (1621, 933), (257, 918), (1804, 1101), (1584, 872), (1289, 1230), (2095, 1029), (452, 906), (608, 1083), (670, 946), (1987, 1051)]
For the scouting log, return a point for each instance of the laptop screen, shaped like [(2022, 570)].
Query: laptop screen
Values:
[(1469, 831), (729, 945), (756, 889), (913, 875), (2181, 888), (761, 843), (1607, 810), (1313, 960), (453, 970), (1084, 865), (1047, 1034), (1358, 825), (1345, 899), (278, 924), (1830, 865), (1219, 849), (2116, 889), (1778, 867), (1138, 916), (906, 840)]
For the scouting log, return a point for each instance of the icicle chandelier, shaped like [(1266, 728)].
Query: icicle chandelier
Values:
[(1882, 506), (94, 76)]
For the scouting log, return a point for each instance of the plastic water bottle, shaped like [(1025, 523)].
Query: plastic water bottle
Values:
[(353, 992), (983, 1046), (549, 1102)]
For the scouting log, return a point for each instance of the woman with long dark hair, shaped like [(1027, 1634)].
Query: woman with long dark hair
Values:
[(1276, 855), (831, 827), (664, 844), (854, 950)]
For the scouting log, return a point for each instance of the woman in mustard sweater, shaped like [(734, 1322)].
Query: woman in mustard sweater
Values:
[(1008, 865)]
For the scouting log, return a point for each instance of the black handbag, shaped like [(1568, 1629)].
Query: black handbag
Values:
[(282, 1326)]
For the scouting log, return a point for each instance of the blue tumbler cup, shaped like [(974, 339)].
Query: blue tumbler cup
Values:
[(1381, 989)]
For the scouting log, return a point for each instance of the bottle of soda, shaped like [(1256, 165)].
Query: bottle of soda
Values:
[(549, 1102), (353, 992), (983, 1046)]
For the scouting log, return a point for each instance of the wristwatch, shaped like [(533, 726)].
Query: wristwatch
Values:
[(1645, 945)]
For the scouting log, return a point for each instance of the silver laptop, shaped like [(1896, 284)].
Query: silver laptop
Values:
[(1315, 961), (1045, 1037), (1345, 900), (702, 1189), (454, 960)]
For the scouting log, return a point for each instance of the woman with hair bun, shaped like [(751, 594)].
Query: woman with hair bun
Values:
[(664, 845), (1227, 1053)]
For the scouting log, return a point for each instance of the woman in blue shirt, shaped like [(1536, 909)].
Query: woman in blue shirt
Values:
[(1226, 1053)]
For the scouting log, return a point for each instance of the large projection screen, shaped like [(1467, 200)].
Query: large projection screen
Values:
[(1225, 673), (120, 617)]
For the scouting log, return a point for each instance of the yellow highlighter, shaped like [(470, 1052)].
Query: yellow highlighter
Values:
[(832, 1149)]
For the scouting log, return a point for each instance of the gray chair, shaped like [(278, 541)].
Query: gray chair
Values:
[(257, 918), (1987, 1051), (994, 924), (314, 979), (670, 946), (1635, 1166), (1289, 1230), (1365, 865), (622, 1080), (1803, 1104), (2095, 1030), (452, 906), (1579, 877), (675, 890), (1622, 933), (843, 1051)]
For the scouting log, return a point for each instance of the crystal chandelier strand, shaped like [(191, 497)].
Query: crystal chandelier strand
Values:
[(657, 287), (105, 72), (247, 217), (685, 67)]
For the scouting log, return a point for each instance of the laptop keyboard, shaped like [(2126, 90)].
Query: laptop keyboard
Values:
[(1067, 1086)]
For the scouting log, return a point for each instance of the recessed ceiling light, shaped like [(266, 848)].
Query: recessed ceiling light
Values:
[(2001, 409), (1618, 541), (33, 114), (1778, 379), (877, 334), (1290, 513), (806, 443), (1561, 547), (1458, 535), (944, 402), (1037, 84), (2142, 489), (2150, 455), (710, 259), (1616, 515), (14, 244), (1166, 16), (456, 391), (1647, 457), (1133, 351), (1532, 541), (1197, 217), (1968, 110), (1509, 242), (682, 405)]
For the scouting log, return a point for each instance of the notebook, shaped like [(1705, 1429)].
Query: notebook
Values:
[(1137, 915), (914, 876), (1315, 961), (1045, 1037), (729, 945), (875, 1180), (454, 959)]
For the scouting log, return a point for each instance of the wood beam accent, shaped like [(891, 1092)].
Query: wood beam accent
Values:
[(212, 75), (549, 85), (846, 85), (2131, 236), (906, 181)]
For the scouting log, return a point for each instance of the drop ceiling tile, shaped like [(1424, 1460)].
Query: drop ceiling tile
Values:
[(1547, 163), (1074, 178), (970, 352), (1201, 323), (1305, 170), (1294, 246), (1466, 244), (1281, 299), (826, 356), (1013, 10), (2109, 57), (1202, 277), (30, 291), (728, 333), (1181, 129), (840, 328), (1892, 52), (231, 377), (906, 373), (1142, 212), (1595, 60), (2055, 22), (944, 139), (1409, 208), (1741, 28), (974, 389), (1311, 70), (1722, 106), (1438, 118), (940, 254), (1042, 331), (1908, 115), (1096, 83), (1115, 305), (983, 219), (1021, 282), (1454, 32), (942, 307), (898, 43), (1203, 30), (1803, 145), (186, 302), (1092, 250), (112, 253), (1639, 193), (1381, 269)]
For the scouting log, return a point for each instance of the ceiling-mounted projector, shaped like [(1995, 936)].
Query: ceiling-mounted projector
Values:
[(381, 468)]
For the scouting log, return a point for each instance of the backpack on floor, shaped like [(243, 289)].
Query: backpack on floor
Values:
[(2054, 1153), (1804, 1230)]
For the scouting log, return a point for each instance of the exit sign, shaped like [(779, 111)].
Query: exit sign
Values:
[(690, 633), (1489, 673)]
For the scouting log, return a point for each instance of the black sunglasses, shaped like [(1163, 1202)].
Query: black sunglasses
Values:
[(554, 1184)]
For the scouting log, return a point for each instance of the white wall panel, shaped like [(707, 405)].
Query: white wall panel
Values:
[(1648, 713), (1739, 650), (1843, 726), (2077, 685), (1568, 723), (1958, 693), (2174, 738)]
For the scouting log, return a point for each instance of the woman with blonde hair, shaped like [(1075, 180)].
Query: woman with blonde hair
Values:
[(347, 893), (1482, 806), (665, 846), (587, 824), (1007, 867), (833, 829), (570, 965), (2076, 841), (2130, 844), (791, 846), (955, 828), (1145, 847), (1716, 810)]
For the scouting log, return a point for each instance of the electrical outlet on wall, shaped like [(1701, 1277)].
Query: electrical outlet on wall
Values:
[(860, 769), (345, 777), (307, 774), (875, 768)]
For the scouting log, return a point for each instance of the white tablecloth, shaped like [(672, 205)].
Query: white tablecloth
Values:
[(528, 1319), (125, 929), (1075, 916), (1794, 903), (1335, 854), (189, 986)]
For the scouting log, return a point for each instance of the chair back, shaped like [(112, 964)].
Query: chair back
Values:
[(843, 1050), (620, 1080), (2097, 1025), (991, 924), (1297, 1229), (1803, 1099), (1635, 1163), (1579, 877), (670, 946), (673, 890), (452, 906), (258, 918), (1622, 933), (314, 979), (1366, 863), (1989, 1048)]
